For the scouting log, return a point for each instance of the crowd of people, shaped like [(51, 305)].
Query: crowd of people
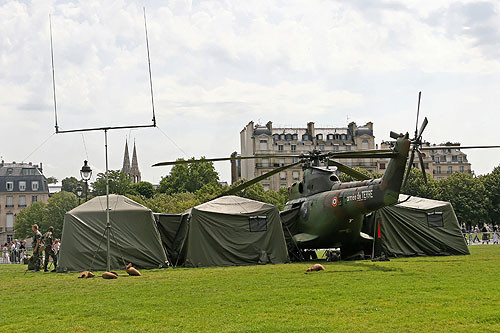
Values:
[(483, 235), (45, 250), (13, 252)]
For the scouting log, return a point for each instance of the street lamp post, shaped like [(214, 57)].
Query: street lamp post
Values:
[(86, 173), (79, 192)]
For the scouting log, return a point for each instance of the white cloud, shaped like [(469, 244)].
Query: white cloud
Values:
[(218, 65)]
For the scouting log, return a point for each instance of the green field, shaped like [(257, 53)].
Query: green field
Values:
[(457, 293)]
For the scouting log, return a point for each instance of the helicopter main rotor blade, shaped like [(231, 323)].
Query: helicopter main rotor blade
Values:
[(349, 171), (408, 169), (422, 165), (258, 179), (220, 159), (457, 147)]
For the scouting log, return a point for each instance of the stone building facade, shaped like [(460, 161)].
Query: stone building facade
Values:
[(280, 142), (21, 184), (439, 163)]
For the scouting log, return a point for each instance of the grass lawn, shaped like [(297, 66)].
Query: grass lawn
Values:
[(457, 293)]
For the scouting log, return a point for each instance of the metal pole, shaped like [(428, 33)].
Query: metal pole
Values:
[(108, 224)]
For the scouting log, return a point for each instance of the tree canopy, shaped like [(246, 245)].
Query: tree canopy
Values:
[(45, 215), (119, 183), (189, 177)]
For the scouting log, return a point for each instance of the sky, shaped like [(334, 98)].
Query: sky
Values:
[(217, 65)]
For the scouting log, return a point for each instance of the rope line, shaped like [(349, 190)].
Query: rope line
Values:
[(40, 146)]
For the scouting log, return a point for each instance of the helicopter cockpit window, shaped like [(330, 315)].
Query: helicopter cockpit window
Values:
[(257, 223), (435, 219)]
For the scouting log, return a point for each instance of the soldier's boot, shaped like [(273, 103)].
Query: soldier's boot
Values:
[(55, 268)]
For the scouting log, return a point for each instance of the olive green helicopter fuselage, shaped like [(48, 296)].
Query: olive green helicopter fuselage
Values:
[(331, 212)]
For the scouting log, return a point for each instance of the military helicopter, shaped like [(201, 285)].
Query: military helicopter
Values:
[(329, 213)]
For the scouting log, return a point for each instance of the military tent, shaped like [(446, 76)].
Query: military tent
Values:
[(416, 227), (134, 236), (225, 231)]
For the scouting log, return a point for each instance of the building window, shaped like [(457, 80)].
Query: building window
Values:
[(283, 185), (438, 170), (348, 147), (22, 186), (454, 158), (34, 198), (294, 148), (34, 186), (295, 159), (295, 175), (280, 147), (22, 201), (450, 169), (321, 147), (460, 159), (9, 202), (335, 147), (382, 166), (9, 186), (10, 222), (461, 168), (282, 175), (295, 137), (265, 162), (263, 144), (282, 137), (9, 171), (329, 137), (305, 137), (319, 137), (288, 137), (276, 137), (442, 158), (426, 165)]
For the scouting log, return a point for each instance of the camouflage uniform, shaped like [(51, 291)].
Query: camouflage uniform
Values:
[(48, 241), (36, 255)]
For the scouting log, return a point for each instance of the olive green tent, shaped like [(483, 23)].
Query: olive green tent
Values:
[(134, 236), (225, 231), (416, 227)]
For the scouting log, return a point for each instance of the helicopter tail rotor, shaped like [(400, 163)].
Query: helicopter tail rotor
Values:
[(416, 143)]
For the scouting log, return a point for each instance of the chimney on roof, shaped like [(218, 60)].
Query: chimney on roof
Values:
[(310, 128), (40, 168)]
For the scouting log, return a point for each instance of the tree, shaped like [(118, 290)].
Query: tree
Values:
[(467, 195), (145, 189), (188, 177), (34, 214), (416, 185), (119, 183), (346, 178), (58, 205), (52, 180), (69, 184), (491, 183)]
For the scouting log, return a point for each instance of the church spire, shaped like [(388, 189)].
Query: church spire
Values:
[(134, 170), (126, 160)]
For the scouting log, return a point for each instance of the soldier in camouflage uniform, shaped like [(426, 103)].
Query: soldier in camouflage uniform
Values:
[(35, 243), (48, 241)]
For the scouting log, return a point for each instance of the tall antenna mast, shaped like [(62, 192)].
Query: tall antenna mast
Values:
[(149, 65), (107, 230), (53, 74)]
